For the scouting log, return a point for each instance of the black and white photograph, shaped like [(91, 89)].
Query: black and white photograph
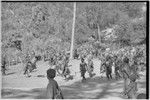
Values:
[(74, 49)]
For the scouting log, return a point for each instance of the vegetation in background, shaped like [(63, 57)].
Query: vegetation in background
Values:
[(34, 26)]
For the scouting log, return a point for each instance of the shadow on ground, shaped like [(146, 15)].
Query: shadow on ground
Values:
[(94, 88), (10, 73)]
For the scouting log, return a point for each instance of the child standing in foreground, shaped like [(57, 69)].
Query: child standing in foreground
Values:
[(53, 90)]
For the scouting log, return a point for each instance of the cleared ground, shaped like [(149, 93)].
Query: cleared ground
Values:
[(16, 85)]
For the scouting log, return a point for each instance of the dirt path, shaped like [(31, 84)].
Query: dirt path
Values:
[(15, 85)]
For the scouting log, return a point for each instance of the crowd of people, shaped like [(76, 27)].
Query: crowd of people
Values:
[(122, 70), (126, 67)]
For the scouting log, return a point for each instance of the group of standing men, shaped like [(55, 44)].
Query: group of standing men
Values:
[(122, 69)]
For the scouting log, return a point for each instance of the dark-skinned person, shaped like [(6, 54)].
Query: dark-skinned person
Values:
[(116, 65), (28, 68), (75, 54), (102, 68), (34, 64), (108, 68), (66, 70), (53, 90), (3, 66), (83, 67), (67, 73)]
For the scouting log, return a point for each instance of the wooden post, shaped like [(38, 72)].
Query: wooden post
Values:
[(73, 29)]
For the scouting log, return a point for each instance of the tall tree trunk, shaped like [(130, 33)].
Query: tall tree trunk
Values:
[(73, 30)]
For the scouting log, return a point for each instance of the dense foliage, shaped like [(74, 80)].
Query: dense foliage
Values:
[(37, 26)]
